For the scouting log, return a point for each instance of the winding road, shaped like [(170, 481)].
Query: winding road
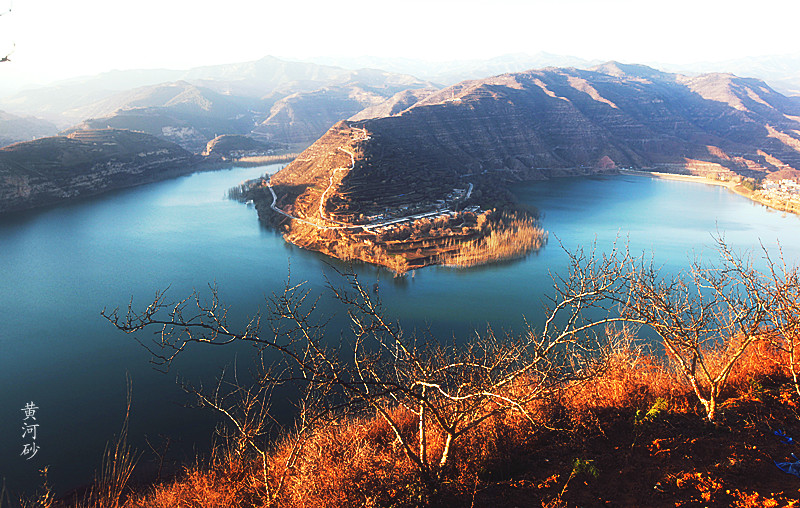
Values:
[(342, 225)]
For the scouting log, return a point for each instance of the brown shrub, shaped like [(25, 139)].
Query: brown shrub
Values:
[(355, 462), (760, 362), (631, 378)]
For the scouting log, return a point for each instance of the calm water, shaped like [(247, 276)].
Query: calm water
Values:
[(62, 266)]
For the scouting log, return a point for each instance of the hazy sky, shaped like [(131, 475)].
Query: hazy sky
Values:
[(62, 38)]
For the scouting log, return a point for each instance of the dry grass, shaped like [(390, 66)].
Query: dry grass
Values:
[(760, 362), (632, 378), (356, 461), (511, 237)]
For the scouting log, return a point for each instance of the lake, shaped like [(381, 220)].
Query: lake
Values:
[(61, 266)]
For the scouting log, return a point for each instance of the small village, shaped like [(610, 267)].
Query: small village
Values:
[(787, 191), (410, 212)]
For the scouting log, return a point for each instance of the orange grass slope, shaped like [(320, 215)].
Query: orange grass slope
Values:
[(635, 426)]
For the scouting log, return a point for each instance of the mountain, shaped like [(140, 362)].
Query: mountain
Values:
[(191, 115), (180, 112), (180, 96), (271, 99), (269, 78), (782, 72), (394, 105), (14, 129), (545, 123), (60, 102), (305, 116), (50, 170)]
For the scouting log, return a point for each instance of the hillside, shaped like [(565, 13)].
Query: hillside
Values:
[(394, 105), (305, 116), (14, 129), (54, 169), (456, 149), (179, 112), (231, 146), (563, 121)]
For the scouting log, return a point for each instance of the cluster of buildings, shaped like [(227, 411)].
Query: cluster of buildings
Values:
[(781, 190), (410, 213)]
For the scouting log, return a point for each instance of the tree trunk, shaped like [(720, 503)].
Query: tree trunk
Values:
[(446, 451)]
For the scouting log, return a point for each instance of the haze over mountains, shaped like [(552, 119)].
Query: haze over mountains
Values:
[(282, 101), (274, 100), (451, 72), (14, 129)]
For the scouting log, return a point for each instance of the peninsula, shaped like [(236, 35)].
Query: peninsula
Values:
[(426, 182), (397, 222)]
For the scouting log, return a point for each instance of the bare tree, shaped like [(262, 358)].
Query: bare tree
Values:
[(451, 390), (784, 312), (706, 318), (246, 411), (714, 311), (6, 57)]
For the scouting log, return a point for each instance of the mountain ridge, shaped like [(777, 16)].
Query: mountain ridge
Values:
[(459, 148)]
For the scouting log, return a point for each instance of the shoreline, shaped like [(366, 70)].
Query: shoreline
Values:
[(673, 176), (733, 187), (201, 165)]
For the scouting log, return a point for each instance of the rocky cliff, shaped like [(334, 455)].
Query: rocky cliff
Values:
[(49, 170)]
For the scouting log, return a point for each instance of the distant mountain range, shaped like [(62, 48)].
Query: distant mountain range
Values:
[(781, 72), (277, 101), (14, 129), (271, 99), (451, 72)]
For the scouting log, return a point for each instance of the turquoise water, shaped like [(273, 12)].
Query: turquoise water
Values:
[(62, 266)]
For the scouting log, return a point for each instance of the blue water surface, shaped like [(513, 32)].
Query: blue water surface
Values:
[(61, 266)]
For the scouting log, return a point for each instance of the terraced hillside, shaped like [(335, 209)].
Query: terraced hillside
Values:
[(54, 169), (459, 148)]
